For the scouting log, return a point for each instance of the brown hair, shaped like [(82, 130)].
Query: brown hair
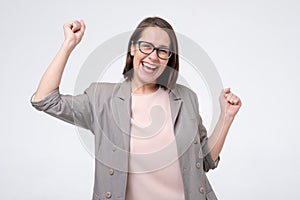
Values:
[(169, 76)]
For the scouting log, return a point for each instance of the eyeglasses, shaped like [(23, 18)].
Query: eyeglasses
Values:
[(147, 48)]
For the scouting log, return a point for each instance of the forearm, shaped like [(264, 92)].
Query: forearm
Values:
[(217, 138), (52, 76)]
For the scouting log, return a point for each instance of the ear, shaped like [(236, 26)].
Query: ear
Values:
[(132, 49)]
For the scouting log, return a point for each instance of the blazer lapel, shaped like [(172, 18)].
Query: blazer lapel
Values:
[(175, 104), (181, 131), (121, 106)]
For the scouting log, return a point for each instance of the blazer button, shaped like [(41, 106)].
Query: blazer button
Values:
[(114, 148), (198, 165), (111, 171), (108, 195), (202, 190), (195, 141)]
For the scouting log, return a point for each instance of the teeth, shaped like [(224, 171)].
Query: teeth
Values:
[(150, 66)]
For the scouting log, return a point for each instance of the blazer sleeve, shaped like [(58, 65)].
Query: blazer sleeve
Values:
[(208, 162), (76, 110)]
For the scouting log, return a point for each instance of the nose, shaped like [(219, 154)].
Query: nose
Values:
[(153, 55)]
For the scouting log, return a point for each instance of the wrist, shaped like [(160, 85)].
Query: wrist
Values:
[(226, 117), (68, 46)]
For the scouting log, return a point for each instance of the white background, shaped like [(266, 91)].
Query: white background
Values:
[(254, 44)]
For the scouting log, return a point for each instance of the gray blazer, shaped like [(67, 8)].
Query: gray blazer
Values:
[(105, 109)]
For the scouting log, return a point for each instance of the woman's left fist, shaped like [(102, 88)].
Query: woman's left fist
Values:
[(229, 102)]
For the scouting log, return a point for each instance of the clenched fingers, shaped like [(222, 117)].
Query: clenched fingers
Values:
[(231, 97), (75, 26)]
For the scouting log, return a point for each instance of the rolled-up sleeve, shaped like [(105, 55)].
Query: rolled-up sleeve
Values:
[(76, 110), (208, 161)]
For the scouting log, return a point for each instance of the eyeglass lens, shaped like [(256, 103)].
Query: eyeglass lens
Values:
[(148, 48)]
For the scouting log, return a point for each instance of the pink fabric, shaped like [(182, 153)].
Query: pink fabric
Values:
[(154, 171)]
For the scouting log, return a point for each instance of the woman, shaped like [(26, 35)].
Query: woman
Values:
[(149, 139)]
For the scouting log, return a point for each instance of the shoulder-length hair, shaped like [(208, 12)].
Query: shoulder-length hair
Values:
[(169, 76)]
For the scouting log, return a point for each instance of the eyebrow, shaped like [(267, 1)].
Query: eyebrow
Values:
[(159, 46), (164, 46)]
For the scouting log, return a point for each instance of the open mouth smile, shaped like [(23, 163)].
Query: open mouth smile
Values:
[(149, 67)]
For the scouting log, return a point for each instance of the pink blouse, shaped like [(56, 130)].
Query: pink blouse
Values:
[(154, 171)]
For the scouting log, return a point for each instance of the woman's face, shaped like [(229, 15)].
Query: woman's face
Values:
[(148, 67)]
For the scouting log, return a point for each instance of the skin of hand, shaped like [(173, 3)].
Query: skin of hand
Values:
[(230, 103), (73, 32)]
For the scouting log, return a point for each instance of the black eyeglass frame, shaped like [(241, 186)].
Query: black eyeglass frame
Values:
[(157, 49)]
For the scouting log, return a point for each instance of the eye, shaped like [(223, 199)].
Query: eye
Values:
[(164, 51), (146, 46)]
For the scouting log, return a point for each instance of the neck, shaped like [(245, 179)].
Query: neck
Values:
[(147, 88)]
